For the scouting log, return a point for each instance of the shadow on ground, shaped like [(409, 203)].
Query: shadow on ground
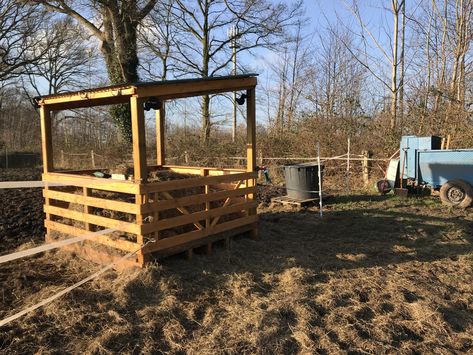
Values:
[(376, 274)]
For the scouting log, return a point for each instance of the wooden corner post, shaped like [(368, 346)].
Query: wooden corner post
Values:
[(251, 147), (140, 166), (160, 135), (139, 139), (46, 139), (47, 151)]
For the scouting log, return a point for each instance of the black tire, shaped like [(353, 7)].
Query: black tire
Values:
[(457, 193), (382, 186)]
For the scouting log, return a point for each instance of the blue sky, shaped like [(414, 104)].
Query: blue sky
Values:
[(319, 12)]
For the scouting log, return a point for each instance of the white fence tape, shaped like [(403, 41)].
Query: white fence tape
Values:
[(27, 184), (35, 184), (50, 246), (69, 289)]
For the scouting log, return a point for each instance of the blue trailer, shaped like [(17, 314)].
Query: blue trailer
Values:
[(422, 163)]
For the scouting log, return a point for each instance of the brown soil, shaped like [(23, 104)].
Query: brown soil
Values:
[(21, 212), (375, 275)]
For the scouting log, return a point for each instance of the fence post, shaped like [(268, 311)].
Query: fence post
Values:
[(365, 165), (92, 158), (348, 167), (260, 162), (63, 163)]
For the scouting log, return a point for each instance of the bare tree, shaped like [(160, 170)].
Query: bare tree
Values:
[(370, 43), (157, 35), (203, 47), (337, 80), (462, 40), (17, 24), (114, 23), (66, 61), (293, 70)]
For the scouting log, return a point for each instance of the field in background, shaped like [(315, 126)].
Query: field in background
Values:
[(376, 274)]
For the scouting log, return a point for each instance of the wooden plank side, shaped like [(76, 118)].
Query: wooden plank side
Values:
[(195, 235), (180, 202), (197, 216), (120, 244), (98, 220), (93, 201), (183, 210), (127, 187), (195, 182)]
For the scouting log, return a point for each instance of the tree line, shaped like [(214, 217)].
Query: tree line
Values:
[(345, 76)]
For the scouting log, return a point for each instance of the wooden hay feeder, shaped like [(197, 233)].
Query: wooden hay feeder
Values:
[(175, 215)]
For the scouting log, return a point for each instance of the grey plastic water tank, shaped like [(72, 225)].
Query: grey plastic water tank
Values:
[(301, 179)]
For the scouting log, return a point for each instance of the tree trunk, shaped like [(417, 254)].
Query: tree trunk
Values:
[(205, 107), (402, 65), (443, 59), (121, 60), (117, 35), (205, 110), (394, 65)]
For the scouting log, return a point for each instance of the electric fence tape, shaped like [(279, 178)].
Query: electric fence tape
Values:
[(27, 184), (70, 288), (50, 246)]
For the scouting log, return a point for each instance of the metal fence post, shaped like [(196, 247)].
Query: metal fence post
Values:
[(320, 180)]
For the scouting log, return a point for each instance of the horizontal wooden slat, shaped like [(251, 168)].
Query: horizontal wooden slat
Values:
[(89, 98), (195, 217), (93, 219), (194, 182), (197, 170), (120, 244), (93, 201), (195, 235), (128, 187), (209, 86), (228, 186), (194, 200)]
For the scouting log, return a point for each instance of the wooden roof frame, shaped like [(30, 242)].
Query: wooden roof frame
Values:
[(163, 90), (137, 94)]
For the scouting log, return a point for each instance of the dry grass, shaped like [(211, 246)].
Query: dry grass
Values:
[(375, 275)]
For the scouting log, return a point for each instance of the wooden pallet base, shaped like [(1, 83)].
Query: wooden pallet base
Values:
[(202, 246), (289, 201)]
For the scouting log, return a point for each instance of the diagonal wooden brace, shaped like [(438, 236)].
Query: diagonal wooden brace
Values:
[(183, 210), (225, 204)]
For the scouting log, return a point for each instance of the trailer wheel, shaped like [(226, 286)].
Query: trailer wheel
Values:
[(383, 186), (457, 193)]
